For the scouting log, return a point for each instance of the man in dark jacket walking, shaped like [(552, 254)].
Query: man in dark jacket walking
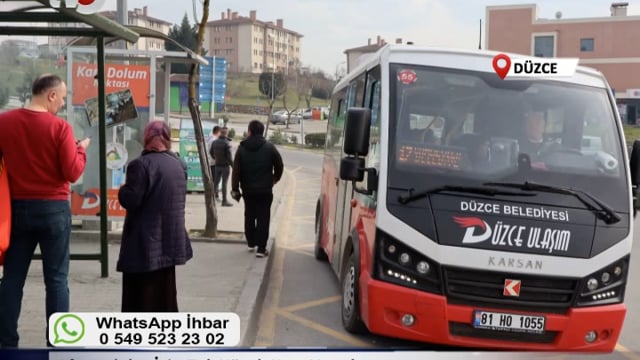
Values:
[(221, 151), (257, 167)]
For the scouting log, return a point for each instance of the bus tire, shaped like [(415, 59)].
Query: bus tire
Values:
[(318, 251), (350, 308)]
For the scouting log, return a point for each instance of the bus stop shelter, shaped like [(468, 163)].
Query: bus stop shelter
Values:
[(37, 18)]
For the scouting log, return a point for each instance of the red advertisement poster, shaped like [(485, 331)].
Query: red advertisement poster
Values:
[(118, 77), (88, 204)]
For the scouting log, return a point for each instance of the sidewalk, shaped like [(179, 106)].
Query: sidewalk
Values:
[(222, 276)]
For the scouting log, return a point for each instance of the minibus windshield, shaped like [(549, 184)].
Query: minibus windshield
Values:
[(452, 127)]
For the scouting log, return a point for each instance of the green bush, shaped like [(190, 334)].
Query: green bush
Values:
[(232, 133), (278, 137), (293, 139), (315, 139)]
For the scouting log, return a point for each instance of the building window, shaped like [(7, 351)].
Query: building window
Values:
[(543, 46), (586, 44)]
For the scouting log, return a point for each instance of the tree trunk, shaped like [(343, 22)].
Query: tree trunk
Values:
[(211, 226)]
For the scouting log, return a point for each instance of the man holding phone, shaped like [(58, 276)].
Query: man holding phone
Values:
[(42, 158)]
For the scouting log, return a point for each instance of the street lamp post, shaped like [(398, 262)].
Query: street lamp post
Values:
[(273, 69)]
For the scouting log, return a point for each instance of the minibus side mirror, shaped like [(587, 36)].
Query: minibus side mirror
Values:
[(634, 167), (634, 162), (372, 182), (356, 131), (352, 168)]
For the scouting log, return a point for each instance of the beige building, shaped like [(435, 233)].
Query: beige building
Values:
[(140, 17), (137, 17), (251, 45), (354, 54), (606, 43)]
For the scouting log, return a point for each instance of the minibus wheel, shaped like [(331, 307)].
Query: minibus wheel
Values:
[(351, 320)]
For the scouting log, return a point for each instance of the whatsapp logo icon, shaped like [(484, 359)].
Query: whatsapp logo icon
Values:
[(68, 329)]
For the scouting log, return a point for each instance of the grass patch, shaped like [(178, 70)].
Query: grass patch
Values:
[(242, 89)]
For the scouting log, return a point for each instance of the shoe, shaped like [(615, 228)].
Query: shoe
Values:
[(262, 253), (226, 203), (251, 248)]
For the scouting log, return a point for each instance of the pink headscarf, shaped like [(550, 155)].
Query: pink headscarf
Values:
[(157, 136)]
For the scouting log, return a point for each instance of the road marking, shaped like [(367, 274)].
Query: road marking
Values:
[(302, 246), (267, 329), (626, 352), (305, 217), (349, 339), (297, 251), (310, 304)]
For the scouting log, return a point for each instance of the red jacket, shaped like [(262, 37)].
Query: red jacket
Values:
[(40, 154)]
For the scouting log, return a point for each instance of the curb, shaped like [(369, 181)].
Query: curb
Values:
[(116, 237), (249, 307)]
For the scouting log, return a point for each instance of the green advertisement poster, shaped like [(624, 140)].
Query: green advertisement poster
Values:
[(189, 153)]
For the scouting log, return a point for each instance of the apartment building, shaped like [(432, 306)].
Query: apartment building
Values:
[(140, 17), (354, 54), (137, 17), (251, 45), (606, 43)]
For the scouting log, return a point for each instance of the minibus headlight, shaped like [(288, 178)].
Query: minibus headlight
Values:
[(399, 264), (423, 267), (605, 286)]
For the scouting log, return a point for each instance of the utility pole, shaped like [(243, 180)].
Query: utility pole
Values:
[(480, 38), (122, 17)]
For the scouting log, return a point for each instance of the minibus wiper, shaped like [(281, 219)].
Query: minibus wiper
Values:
[(604, 212), (413, 196)]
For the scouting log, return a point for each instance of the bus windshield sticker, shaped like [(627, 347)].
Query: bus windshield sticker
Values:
[(430, 157), (407, 76)]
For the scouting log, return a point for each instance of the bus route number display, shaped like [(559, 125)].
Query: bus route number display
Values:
[(430, 157)]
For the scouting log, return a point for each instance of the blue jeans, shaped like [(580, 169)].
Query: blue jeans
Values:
[(35, 222)]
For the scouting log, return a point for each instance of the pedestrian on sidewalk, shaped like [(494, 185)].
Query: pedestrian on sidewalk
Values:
[(154, 237), (42, 158), (257, 167), (215, 133), (221, 151)]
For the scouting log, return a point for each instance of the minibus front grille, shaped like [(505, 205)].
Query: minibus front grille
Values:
[(545, 294)]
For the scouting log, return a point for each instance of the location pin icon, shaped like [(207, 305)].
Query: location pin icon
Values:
[(502, 71)]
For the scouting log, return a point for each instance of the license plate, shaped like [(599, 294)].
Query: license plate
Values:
[(508, 322)]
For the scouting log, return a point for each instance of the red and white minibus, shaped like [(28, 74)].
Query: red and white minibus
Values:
[(460, 208)]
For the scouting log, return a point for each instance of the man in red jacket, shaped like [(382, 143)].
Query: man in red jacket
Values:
[(42, 159)]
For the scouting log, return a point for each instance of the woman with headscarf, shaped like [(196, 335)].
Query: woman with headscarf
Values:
[(154, 238)]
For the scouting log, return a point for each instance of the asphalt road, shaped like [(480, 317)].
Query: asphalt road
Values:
[(302, 304)]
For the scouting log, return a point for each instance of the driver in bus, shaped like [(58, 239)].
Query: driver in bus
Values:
[(534, 126)]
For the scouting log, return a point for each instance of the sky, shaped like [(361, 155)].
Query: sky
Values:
[(329, 27)]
